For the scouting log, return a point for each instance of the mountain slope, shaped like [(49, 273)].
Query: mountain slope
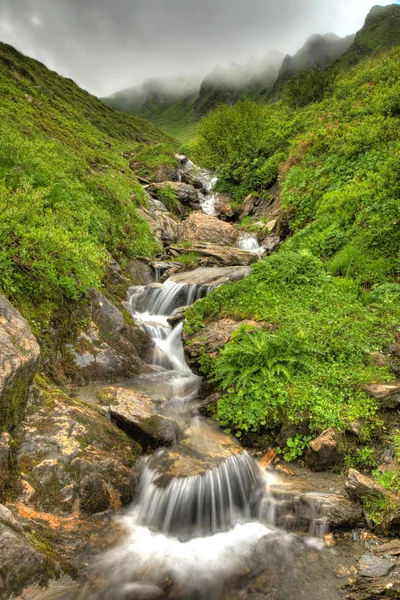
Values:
[(67, 196), (380, 32)]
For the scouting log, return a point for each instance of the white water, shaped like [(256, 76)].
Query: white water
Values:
[(250, 243)]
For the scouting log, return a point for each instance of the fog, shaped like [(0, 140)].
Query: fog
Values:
[(110, 45)]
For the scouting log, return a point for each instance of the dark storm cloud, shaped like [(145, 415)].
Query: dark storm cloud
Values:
[(106, 45)]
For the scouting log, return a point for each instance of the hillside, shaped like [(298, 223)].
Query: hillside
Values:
[(330, 294), (68, 198)]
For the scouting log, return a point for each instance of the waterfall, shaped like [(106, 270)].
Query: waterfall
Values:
[(250, 243)]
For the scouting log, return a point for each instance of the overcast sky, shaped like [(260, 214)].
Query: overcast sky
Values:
[(108, 45)]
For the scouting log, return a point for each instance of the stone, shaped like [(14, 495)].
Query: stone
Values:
[(295, 504), (373, 566), (5, 456), (199, 228), (224, 207), (388, 394), (290, 431), (271, 243), (177, 316), (136, 414), (360, 486), (20, 563), (211, 255), (139, 273), (378, 359), (323, 451), (248, 205), (166, 173), (94, 494), (211, 277), (271, 225), (164, 226), (63, 442), (109, 349), (212, 338), (19, 360), (185, 192)]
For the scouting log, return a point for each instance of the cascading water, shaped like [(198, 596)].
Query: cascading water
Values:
[(193, 524), (250, 243)]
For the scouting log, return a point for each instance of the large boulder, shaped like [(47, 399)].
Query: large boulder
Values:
[(110, 348), (211, 277), (19, 360), (164, 226), (224, 256), (66, 448), (185, 192), (20, 563), (200, 228), (136, 414), (212, 338)]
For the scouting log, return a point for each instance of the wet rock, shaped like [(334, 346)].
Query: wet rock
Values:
[(111, 348), (62, 443), (211, 277), (323, 451), (212, 338), (5, 456), (374, 566), (94, 494), (20, 563), (211, 255), (177, 316), (199, 228), (185, 192), (19, 360), (294, 504), (271, 243), (268, 207), (136, 414), (388, 394)]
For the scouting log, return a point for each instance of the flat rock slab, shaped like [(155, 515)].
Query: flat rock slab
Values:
[(224, 256), (211, 276), (373, 566), (136, 414)]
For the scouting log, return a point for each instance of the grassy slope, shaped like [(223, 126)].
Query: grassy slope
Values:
[(67, 196), (332, 292)]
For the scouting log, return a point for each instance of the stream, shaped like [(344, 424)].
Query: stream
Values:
[(203, 524)]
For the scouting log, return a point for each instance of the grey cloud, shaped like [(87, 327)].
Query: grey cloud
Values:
[(106, 45)]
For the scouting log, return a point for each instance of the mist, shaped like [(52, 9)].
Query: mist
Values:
[(107, 46)]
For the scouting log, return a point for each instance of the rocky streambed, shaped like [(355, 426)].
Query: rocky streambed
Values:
[(203, 516)]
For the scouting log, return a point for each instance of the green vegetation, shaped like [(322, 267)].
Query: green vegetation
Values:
[(68, 198), (331, 294), (168, 197)]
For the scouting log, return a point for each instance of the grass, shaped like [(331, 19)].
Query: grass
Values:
[(68, 198)]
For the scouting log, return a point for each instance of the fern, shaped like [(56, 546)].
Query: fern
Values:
[(252, 370)]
